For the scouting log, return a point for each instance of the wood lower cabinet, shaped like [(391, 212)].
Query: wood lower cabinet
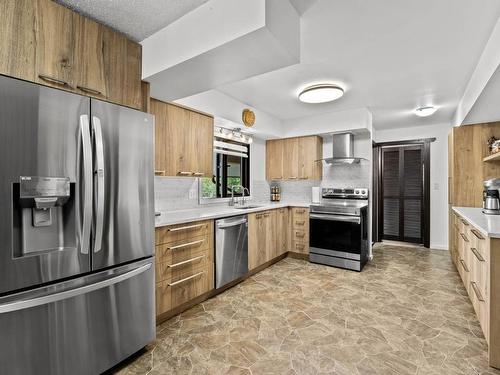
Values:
[(294, 158), (478, 263), (44, 42), (183, 141), (300, 230), (282, 230), (184, 264), (261, 238)]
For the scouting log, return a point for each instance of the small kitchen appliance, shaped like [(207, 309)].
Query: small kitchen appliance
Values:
[(491, 197)]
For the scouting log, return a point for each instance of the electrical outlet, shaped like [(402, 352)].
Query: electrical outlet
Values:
[(192, 194)]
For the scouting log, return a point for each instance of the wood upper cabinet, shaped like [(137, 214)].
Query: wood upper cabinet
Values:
[(466, 149), (274, 159), (89, 72), (55, 45), (291, 160), (310, 151), (201, 142), (123, 69), (294, 158), (47, 43), (183, 141), (17, 38)]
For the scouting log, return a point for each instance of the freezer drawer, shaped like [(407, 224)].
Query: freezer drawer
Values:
[(82, 326)]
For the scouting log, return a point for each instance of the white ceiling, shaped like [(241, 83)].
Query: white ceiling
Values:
[(137, 19), (487, 106), (390, 55)]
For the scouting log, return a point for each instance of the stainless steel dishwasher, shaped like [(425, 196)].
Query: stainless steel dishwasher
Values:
[(231, 249)]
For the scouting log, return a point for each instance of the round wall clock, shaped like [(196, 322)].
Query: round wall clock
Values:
[(248, 117)]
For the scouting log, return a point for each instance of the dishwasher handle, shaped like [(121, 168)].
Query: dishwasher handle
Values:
[(231, 224)]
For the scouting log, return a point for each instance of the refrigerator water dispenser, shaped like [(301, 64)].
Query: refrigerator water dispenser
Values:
[(42, 208)]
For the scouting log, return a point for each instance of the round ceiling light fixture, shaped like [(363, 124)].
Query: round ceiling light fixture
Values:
[(322, 93), (425, 111)]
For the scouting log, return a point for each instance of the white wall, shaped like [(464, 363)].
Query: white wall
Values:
[(258, 160), (439, 173)]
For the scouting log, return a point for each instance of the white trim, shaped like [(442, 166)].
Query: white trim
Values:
[(438, 247), (230, 146), (219, 151)]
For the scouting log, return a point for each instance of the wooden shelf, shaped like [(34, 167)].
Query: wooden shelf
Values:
[(493, 157)]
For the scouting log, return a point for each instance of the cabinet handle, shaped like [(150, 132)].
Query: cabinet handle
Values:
[(300, 223), (464, 266), (300, 211), (476, 253), (464, 222), (304, 178), (177, 247), (185, 262), (54, 80), (258, 216), (292, 178), (185, 173), (299, 247), (186, 279), (476, 291), (159, 173), (89, 90), (198, 174), (300, 235), (465, 238), (266, 215), (277, 178), (188, 227), (477, 234)]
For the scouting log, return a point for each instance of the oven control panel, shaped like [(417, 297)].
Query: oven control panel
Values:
[(355, 193)]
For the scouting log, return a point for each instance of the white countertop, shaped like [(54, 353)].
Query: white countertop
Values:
[(488, 225), (217, 212)]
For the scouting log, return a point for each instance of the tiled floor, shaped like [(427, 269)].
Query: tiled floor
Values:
[(406, 313)]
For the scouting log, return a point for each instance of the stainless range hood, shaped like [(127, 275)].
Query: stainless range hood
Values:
[(343, 150)]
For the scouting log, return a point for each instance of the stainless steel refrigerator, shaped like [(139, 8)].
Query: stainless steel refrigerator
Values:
[(76, 231)]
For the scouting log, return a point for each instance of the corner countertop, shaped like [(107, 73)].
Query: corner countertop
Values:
[(217, 212), (488, 225)]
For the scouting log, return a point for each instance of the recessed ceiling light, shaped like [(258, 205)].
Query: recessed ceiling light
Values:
[(322, 93), (425, 111)]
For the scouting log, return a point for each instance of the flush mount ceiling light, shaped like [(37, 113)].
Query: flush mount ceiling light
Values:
[(322, 93), (425, 111)]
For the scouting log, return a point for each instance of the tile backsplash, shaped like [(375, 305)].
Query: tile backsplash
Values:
[(173, 193)]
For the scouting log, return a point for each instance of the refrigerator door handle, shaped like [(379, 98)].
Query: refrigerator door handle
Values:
[(99, 183), (87, 183), (26, 302)]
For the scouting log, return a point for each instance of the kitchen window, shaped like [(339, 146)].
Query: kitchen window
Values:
[(231, 167)]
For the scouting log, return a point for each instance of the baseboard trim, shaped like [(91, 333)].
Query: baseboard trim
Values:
[(301, 256)]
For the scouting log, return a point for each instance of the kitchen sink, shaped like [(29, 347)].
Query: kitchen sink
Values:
[(247, 207)]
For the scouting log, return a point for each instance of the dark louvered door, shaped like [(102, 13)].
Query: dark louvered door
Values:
[(402, 193)]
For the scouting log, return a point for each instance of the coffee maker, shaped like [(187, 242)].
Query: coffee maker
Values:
[(491, 197)]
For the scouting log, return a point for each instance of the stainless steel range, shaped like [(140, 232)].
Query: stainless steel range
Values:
[(339, 228)]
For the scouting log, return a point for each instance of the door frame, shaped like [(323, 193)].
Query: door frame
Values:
[(377, 183)]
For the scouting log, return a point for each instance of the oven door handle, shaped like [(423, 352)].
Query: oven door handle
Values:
[(343, 218)]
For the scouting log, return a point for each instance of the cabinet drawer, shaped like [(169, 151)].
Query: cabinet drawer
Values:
[(301, 236), (300, 213), (300, 247), (167, 271), (182, 250), (481, 308), (183, 232), (463, 226), (477, 241), (181, 289)]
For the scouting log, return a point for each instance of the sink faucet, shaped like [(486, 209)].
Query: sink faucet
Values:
[(242, 188)]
